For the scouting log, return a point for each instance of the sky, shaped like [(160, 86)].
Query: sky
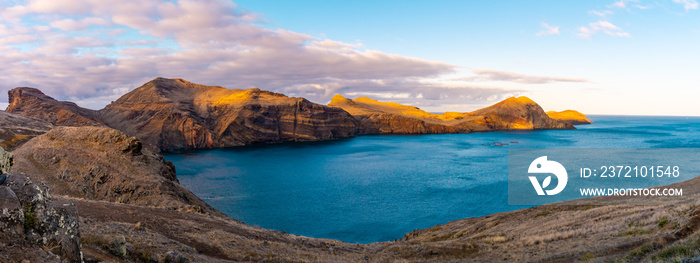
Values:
[(626, 57)]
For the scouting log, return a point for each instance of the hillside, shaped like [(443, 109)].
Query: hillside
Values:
[(388, 117)]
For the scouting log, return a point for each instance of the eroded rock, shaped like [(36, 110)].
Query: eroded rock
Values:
[(31, 220)]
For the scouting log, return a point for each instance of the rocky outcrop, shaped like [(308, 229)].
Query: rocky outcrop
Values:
[(175, 114), (33, 103), (16, 129), (518, 113), (6, 160), (36, 227), (100, 163), (570, 116), (385, 117)]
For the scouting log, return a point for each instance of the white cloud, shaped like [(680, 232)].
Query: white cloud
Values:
[(602, 13), (601, 26), (687, 4), (486, 75), (548, 30), (622, 3)]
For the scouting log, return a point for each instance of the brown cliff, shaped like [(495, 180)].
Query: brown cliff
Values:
[(570, 116), (33, 103), (376, 117), (387, 117), (176, 114)]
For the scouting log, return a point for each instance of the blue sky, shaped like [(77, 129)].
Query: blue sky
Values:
[(599, 57)]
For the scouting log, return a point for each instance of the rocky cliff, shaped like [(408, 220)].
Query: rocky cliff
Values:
[(387, 117), (100, 163), (32, 102), (570, 116), (376, 117), (176, 114)]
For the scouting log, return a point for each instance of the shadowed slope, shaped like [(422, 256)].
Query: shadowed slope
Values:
[(101, 163), (33, 103)]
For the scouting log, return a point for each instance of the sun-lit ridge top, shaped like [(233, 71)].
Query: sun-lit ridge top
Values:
[(393, 107)]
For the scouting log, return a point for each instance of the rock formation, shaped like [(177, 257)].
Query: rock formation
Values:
[(6, 160), (570, 116), (16, 129), (100, 163), (386, 117), (32, 102), (176, 114)]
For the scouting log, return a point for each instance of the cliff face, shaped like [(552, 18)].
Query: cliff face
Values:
[(510, 114), (570, 116), (99, 163), (33, 103), (376, 117), (176, 114)]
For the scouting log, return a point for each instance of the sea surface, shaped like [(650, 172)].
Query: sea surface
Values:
[(378, 188)]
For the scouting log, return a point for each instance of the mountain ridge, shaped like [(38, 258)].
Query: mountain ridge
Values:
[(175, 114)]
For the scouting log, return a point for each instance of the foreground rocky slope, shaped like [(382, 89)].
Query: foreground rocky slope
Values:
[(35, 226), (386, 117), (100, 163), (131, 209), (570, 116), (571, 231)]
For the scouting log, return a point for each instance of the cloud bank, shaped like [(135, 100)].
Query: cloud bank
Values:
[(93, 51)]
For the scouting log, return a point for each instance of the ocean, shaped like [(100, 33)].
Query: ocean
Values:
[(378, 188)]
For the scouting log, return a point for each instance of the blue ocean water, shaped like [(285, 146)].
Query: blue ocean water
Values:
[(377, 188)]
